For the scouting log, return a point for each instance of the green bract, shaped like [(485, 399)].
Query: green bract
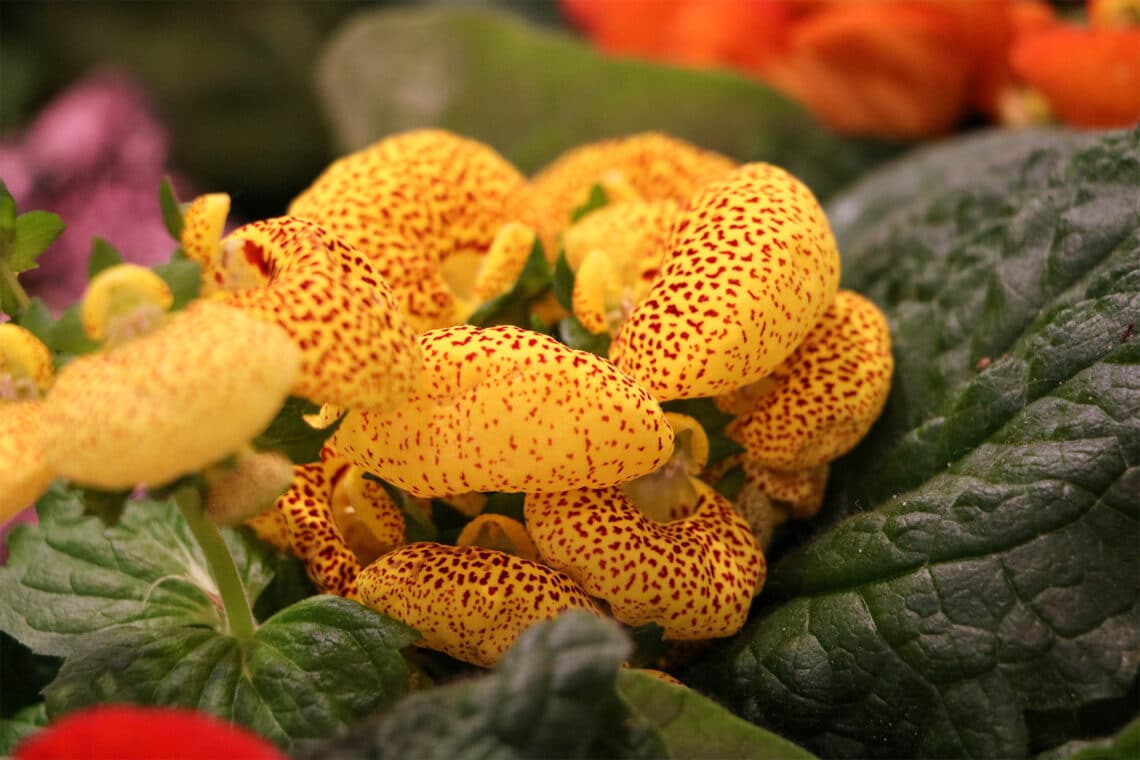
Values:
[(979, 577)]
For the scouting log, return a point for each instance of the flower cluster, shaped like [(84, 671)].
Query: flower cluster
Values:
[(706, 279), (898, 68)]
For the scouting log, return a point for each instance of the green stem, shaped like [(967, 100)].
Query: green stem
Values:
[(235, 603), (13, 283)]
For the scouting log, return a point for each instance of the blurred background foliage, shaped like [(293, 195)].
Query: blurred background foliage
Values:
[(233, 81)]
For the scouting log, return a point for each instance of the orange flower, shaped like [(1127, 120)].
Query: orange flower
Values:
[(1089, 77)]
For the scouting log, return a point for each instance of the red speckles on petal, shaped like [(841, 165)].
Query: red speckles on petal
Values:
[(750, 267), (357, 350), (409, 202), (654, 165), (695, 576), (466, 601), (507, 409), (825, 397)]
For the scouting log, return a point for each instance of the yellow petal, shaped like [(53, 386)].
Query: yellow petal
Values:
[(695, 577), (314, 536), (203, 224), (24, 473), (598, 293), (630, 233), (117, 296), (468, 602), (825, 397), (750, 267), (654, 165), (412, 200), (506, 409), (500, 533), (169, 402), (372, 524), (24, 359), (356, 348)]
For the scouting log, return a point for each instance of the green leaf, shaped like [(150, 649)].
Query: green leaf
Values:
[(497, 79), (551, 696), (35, 231), (37, 320), (70, 577), (291, 435), (713, 420), (309, 671), (1123, 746), (20, 726), (183, 277), (513, 306), (103, 256), (7, 220), (68, 336), (574, 334), (694, 726), (171, 209), (977, 559), (562, 282), (595, 200), (22, 674)]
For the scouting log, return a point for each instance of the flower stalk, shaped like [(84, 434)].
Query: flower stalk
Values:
[(239, 619)]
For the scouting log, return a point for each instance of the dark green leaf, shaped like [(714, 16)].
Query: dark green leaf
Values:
[(70, 577), (693, 726), (290, 585), (595, 200), (497, 79), (37, 320), (20, 726), (171, 209), (309, 671), (574, 334), (563, 282), (22, 674), (7, 221), (979, 559), (68, 336), (107, 506), (291, 435), (183, 277), (551, 696), (513, 306), (103, 256), (35, 231), (1124, 746)]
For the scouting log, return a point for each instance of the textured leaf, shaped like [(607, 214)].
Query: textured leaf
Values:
[(309, 671), (35, 231), (22, 724), (69, 577), (694, 726), (495, 78), (551, 696), (981, 560)]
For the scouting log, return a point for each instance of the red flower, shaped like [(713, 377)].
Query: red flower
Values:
[(120, 732)]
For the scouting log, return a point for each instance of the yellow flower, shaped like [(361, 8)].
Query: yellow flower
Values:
[(155, 405), (25, 372)]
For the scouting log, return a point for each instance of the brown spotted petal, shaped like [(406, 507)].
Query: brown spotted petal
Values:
[(466, 601), (695, 577), (312, 531), (653, 165), (170, 402), (357, 350), (507, 409), (750, 267), (411, 201), (825, 397)]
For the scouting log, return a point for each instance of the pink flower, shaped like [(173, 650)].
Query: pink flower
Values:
[(95, 156)]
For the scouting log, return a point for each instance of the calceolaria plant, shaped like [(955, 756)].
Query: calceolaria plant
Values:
[(385, 438)]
